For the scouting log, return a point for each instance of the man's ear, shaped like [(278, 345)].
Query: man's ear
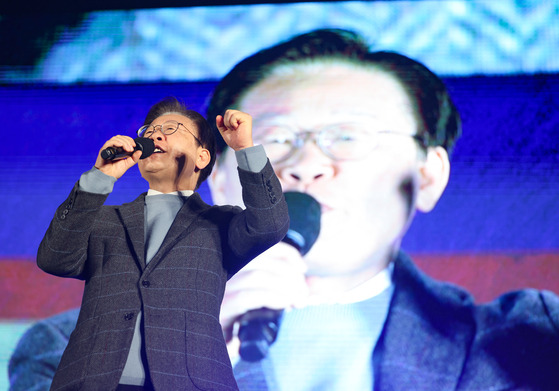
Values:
[(203, 158), (434, 174)]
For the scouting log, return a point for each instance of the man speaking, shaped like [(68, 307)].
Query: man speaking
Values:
[(155, 269)]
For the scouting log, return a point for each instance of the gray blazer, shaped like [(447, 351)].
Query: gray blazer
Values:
[(179, 291)]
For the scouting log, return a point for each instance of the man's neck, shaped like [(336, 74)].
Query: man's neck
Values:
[(169, 187), (335, 285), (184, 193)]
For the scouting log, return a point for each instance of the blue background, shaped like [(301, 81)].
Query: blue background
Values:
[(502, 193)]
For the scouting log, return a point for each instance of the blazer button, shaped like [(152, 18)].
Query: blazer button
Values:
[(128, 316), (146, 283)]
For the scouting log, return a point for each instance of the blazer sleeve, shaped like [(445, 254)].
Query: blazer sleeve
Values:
[(265, 220), (63, 250)]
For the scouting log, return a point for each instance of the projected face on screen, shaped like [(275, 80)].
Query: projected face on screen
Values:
[(358, 131), (364, 190)]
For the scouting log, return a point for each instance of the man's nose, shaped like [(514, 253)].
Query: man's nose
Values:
[(308, 166), (157, 134)]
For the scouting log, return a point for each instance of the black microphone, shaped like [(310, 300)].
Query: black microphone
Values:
[(143, 144), (258, 328)]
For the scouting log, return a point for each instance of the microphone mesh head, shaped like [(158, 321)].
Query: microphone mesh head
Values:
[(304, 216), (146, 145)]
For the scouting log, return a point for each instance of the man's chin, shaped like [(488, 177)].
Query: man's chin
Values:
[(150, 169), (151, 163)]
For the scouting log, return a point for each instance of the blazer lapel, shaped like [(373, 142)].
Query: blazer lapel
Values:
[(427, 334), (132, 215)]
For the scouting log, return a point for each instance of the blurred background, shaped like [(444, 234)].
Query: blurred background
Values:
[(72, 75)]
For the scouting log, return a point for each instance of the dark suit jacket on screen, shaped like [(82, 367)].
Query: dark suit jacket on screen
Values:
[(179, 291), (38, 352), (436, 338)]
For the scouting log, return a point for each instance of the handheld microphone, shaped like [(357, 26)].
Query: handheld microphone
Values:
[(146, 145), (258, 328)]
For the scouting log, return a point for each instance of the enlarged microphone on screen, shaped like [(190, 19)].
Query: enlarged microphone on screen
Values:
[(143, 144), (258, 329)]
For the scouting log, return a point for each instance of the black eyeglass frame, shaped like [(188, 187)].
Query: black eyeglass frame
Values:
[(302, 137), (142, 131)]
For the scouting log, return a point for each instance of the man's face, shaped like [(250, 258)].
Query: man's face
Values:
[(366, 203), (174, 161)]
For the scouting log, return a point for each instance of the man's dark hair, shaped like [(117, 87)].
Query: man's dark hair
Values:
[(438, 120), (205, 132)]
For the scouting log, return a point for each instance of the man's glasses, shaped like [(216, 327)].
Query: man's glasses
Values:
[(167, 128), (339, 142)]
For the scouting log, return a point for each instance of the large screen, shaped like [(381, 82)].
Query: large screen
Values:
[(69, 81)]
